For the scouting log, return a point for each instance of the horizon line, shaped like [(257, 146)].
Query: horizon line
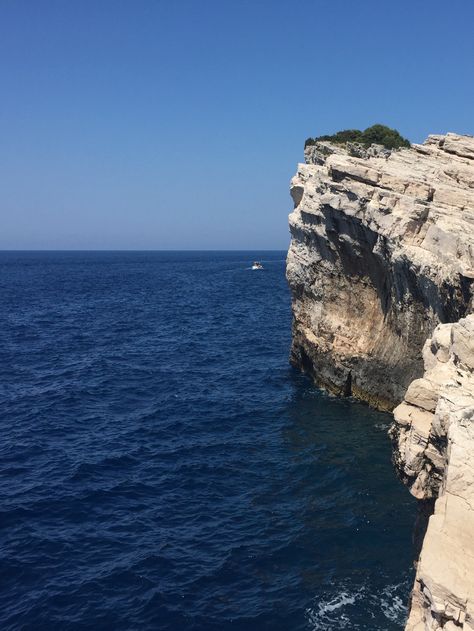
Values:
[(145, 250)]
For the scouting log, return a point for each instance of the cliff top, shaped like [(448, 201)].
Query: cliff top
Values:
[(377, 134), (422, 195)]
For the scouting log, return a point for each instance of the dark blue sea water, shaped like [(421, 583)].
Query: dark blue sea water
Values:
[(163, 467)]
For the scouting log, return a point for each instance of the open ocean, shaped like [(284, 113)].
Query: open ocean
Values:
[(163, 467)]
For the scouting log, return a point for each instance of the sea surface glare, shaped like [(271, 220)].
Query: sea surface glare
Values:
[(163, 467)]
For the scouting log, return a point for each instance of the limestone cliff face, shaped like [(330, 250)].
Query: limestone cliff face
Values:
[(381, 270), (382, 251), (434, 432)]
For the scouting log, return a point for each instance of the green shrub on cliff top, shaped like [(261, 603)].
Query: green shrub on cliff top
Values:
[(378, 134)]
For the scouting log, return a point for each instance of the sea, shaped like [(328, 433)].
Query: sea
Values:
[(163, 467)]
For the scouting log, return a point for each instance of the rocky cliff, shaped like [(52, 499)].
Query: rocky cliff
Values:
[(382, 260), (382, 251), (434, 451)]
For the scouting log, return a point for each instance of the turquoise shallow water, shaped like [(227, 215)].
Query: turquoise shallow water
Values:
[(163, 467)]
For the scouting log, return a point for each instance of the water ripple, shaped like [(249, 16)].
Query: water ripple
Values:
[(162, 467)]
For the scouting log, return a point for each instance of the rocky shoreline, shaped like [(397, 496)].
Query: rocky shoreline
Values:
[(381, 270)]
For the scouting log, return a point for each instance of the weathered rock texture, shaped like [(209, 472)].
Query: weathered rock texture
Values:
[(382, 260), (434, 432), (382, 251)]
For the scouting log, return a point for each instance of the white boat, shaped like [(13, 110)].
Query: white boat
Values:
[(257, 265)]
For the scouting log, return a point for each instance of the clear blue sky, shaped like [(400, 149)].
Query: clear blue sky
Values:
[(153, 124)]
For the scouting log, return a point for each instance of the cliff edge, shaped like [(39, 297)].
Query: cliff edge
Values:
[(381, 271)]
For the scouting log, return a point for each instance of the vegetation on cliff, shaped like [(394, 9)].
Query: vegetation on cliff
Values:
[(378, 134)]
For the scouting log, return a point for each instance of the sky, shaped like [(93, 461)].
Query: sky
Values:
[(168, 124)]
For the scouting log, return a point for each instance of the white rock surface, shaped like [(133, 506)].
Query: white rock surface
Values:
[(435, 453), (382, 251)]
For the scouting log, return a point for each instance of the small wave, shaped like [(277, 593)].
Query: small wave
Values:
[(330, 613), (338, 602), (393, 606), (343, 610)]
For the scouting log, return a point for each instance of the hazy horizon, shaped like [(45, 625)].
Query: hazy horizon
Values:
[(178, 126)]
